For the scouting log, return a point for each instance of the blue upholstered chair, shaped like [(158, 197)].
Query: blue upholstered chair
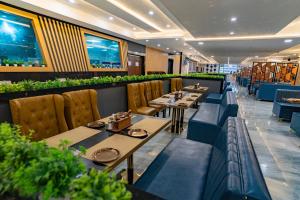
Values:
[(205, 124), (217, 98), (266, 91), (283, 109), (226, 170), (295, 123)]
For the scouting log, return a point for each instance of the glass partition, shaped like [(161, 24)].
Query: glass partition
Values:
[(103, 53), (18, 42)]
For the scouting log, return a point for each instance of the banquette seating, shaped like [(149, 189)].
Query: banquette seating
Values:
[(43, 114), (205, 124), (226, 170), (81, 107), (136, 97), (153, 90), (217, 98), (176, 84), (283, 109), (295, 125), (266, 91)]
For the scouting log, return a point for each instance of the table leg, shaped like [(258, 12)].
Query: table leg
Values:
[(173, 121), (177, 120), (181, 118), (130, 169)]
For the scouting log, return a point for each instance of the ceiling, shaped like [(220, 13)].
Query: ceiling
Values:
[(259, 29)]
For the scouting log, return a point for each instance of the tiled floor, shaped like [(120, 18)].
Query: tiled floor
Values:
[(277, 148)]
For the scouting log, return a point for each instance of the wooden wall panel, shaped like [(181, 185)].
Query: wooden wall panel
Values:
[(65, 45), (156, 60)]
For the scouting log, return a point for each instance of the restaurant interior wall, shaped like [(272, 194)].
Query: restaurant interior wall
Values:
[(156, 60)]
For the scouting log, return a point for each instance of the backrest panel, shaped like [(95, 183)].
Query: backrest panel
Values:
[(81, 107), (134, 100), (42, 114)]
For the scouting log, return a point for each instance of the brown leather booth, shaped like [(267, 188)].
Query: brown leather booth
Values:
[(156, 88), (42, 114), (81, 107), (137, 100), (176, 84)]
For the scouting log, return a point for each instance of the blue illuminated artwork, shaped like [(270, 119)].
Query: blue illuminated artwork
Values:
[(103, 53), (18, 43)]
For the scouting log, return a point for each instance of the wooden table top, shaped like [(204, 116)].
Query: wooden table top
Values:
[(191, 88), (168, 100), (101, 139)]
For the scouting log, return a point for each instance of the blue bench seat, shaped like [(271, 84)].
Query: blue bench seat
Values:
[(217, 98), (207, 121), (190, 170)]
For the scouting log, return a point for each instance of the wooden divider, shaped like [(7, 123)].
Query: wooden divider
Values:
[(64, 43)]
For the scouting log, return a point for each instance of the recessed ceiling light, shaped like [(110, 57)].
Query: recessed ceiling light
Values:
[(174, 51), (111, 18), (200, 43), (167, 48), (134, 28), (288, 40), (176, 39), (231, 33), (147, 40), (191, 48), (233, 19), (184, 44), (72, 1), (212, 56), (256, 56), (151, 12), (158, 45), (168, 25)]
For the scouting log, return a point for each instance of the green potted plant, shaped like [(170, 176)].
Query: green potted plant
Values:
[(29, 64), (5, 62), (43, 64)]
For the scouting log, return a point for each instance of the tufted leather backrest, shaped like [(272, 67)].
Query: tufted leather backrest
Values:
[(81, 107), (173, 84), (228, 107), (179, 84), (148, 91), (143, 97), (234, 172), (155, 89), (42, 114), (134, 98), (161, 88)]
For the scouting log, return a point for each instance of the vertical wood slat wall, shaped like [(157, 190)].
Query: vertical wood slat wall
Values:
[(65, 45)]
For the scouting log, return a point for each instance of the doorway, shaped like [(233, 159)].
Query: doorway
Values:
[(170, 66), (136, 65)]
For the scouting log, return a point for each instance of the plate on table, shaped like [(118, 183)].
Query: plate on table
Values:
[(194, 95), (96, 124), (137, 133), (105, 155), (189, 99)]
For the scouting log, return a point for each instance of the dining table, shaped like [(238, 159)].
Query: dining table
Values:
[(96, 139), (195, 89), (178, 106)]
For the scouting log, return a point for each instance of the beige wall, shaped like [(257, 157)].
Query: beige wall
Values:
[(156, 60), (176, 64)]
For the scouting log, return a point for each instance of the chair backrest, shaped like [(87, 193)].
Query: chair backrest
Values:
[(179, 84), (234, 171), (81, 107), (228, 107), (161, 88), (173, 84), (134, 98), (42, 114), (155, 89), (148, 91), (143, 96)]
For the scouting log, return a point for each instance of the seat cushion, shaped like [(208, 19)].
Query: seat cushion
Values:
[(157, 107), (146, 111), (207, 113), (179, 171), (214, 96)]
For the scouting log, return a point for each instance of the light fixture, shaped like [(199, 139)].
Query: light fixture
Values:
[(231, 33), (191, 48), (288, 40), (72, 1), (174, 51), (233, 19), (176, 39), (147, 40), (158, 45), (168, 25), (184, 44), (256, 56), (200, 43), (134, 28), (212, 56), (111, 18), (151, 12), (167, 48)]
